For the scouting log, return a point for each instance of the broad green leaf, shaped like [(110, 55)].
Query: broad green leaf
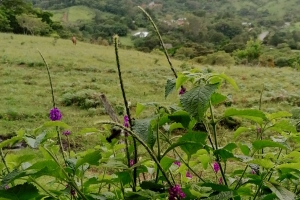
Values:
[(245, 191), (284, 125), (281, 192), (244, 149), (142, 128), (166, 163), (19, 192), (224, 154), (182, 117), (289, 166), (181, 79), (230, 147), (239, 131), (124, 177), (263, 163), (196, 100), (246, 113), (170, 86), (222, 195), (205, 160), (279, 114), (139, 109), (177, 144), (34, 143), (13, 140), (192, 136), (216, 187), (260, 144), (8, 178), (174, 126), (91, 157), (229, 80), (56, 124), (16, 160), (217, 98), (151, 185), (113, 164)]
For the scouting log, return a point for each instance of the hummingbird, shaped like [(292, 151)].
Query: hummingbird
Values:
[(115, 133)]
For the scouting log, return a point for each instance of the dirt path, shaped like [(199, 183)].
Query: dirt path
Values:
[(65, 17), (262, 36)]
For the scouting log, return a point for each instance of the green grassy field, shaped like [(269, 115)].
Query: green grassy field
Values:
[(74, 14), (91, 69)]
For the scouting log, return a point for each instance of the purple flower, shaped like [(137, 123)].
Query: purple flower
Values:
[(216, 167), (188, 174), (131, 162), (221, 181), (55, 114), (175, 192), (258, 130), (73, 192), (253, 171), (182, 90), (177, 163), (126, 121), (66, 133), (6, 187)]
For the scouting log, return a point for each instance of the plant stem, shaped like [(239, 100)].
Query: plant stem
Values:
[(260, 185), (50, 80), (127, 109), (151, 153), (33, 180), (158, 148), (186, 164), (237, 184), (5, 164), (260, 99), (213, 123), (160, 39)]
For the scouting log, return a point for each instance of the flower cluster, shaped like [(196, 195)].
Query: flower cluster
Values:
[(66, 132), (126, 121), (177, 163), (188, 174), (216, 167), (55, 114), (175, 192), (131, 162), (182, 90)]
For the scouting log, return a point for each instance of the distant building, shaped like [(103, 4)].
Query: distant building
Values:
[(246, 23), (141, 34)]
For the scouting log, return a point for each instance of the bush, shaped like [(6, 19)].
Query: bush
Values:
[(84, 99), (218, 58)]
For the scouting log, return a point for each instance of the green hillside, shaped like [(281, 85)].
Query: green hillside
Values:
[(80, 73)]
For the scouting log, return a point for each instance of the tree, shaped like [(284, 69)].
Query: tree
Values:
[(4, 22), (32, 24), (252, 51)]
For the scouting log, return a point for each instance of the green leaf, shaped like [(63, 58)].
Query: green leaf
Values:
[(244, 148), (8, 178), (174, 126), (21, 192), (284, 125), (34, 143), (239, 131), (151, 185), (281, 192), (260, 144), (263, 163), (217, 98), (91, 157), (229, 80), (142, 128), (181, 79), (224, 154), (177, 144), (56, 124), (139, 109), (204, 159), (222, 195), (255, 115), (124, 177), (279, 114), (166, 163), (216, 187), (182, 117), (289, 166), (13, 140), (230, 147), (192, 136), (170, 86), (196, 100)]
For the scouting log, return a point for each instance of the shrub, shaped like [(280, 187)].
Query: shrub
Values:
[(219, 58), (84, 99)]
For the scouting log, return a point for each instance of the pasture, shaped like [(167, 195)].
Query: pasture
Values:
[(81, 73)]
